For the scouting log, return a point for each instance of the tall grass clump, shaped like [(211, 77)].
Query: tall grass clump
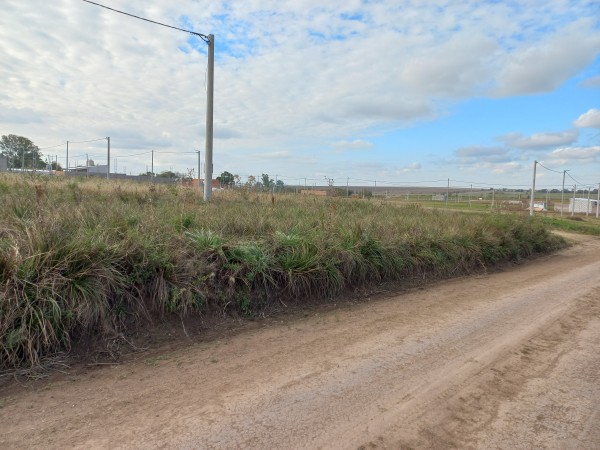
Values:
[(94, 258)]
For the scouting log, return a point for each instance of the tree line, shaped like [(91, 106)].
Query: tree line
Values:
[(264, 182), (22, 153)]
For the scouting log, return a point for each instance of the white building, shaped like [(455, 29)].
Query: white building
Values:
[(583, 205)]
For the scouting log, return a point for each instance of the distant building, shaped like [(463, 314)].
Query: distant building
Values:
[(91, 169), (583, 205), (3, 163), (216, 184), (439, 197)]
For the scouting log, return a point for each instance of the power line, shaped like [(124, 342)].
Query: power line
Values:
[(175, 153), (576, 181), (53, 146), (130, 156), (85, 142), (551, 170), (490, 184), (200, 35)]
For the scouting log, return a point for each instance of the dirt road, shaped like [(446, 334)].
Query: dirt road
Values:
[(505, 360)]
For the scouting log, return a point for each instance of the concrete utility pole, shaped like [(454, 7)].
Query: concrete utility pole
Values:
[(598, 202), (208, 160), (152, 168), (562, 195), (67, 167), (573, 206), (587, 208), (87, 165), (470, 192), (108, 158), (532, 190), (447, 193)]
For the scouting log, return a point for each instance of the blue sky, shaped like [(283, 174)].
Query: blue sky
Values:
[(402, 92)]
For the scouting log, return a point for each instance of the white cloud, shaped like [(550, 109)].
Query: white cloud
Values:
[(357, 144), (282, 154), (589, 119), (592, 82), (501, 168), (543, 66), (481, 152), (505, 168), (567, 154), (409, 168), (491, 157), (539, 141), (11, 115)]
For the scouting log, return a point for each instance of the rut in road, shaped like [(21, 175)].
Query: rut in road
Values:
[(472, 363)]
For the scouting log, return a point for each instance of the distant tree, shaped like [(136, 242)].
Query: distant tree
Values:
[(266, 181), (279, 183), (188, 177), (251, 181), (226, 179), (170, 174), (18, 149)]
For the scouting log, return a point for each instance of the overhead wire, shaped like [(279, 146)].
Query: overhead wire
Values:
[(52, 146), (577, 181), (551, 170), (130, 156), (200, 35), (85, 142), (176, 153), (490, 184)]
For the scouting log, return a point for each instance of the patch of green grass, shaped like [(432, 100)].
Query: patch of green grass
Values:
[(577, 224)]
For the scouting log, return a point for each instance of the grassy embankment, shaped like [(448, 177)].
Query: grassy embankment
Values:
[(578, 224), (88, 256)]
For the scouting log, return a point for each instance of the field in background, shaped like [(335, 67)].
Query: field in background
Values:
[(92, 257)]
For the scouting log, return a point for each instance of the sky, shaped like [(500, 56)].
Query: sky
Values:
[(403, 92)]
